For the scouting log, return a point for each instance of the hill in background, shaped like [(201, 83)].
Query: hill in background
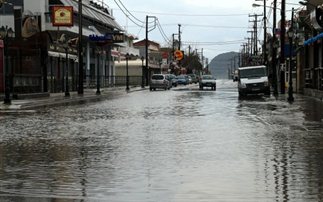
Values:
[(220, 65)]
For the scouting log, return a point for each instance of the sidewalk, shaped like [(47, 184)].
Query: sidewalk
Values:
[(29, 102)]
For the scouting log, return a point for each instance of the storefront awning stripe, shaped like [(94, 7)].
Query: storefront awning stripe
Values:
[(313, 39), (62, 55)]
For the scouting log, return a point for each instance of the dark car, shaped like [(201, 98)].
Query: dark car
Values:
[(194, 78), (173, 79), (183, 79)]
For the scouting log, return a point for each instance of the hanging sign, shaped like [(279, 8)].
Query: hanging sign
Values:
[(62, 16)]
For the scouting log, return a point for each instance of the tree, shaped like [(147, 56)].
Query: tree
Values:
[(192, 62)]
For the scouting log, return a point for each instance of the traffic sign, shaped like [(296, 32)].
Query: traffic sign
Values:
[(179, 55)]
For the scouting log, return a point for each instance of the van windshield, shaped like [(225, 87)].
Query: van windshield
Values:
[(157, 77), (254, 72)]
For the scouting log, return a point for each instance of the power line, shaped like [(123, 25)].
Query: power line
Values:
[(207, 26), (162, 32), (129, 12), (191, 15), (214, 43), (127, 15)]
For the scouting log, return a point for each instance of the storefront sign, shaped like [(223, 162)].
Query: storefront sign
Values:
[(108, 38), (60, 49), (62, 16)]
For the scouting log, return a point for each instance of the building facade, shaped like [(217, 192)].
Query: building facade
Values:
[(40, 57)]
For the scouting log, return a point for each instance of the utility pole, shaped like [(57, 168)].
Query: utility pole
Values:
[(173, 46), (146, 48), (255, 33), (202, 57), (179, 36), (282, 47), (146, 52), (290, 72), (265, 34), (274, 52), (80, 50), (189, 56)]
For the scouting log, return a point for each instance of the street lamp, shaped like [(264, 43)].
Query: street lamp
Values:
[(291, 37), (306, 3), (127, 68), (67, 92), (80, 48), (98, 92), (6, 33), (143, 72)]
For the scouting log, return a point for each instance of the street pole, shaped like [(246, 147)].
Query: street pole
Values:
[(146, 47), (7, 99), (265, 34), (274, 52), (146, 51), (143, 69), (80, 49), (179, 36), (127, 69), (282, 47), (98, 92), (291, 36), (67, 92)]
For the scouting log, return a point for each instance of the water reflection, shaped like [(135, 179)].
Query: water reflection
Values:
[(165, 146)]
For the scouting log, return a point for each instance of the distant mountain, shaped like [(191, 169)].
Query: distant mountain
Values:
[(220, 65)]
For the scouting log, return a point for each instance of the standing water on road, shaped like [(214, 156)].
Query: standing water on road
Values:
[(177, 145)]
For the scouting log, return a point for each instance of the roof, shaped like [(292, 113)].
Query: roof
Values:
[(93, 13), (143, 42)]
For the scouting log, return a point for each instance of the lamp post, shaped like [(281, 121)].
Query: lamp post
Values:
[(282, 45), (98, 92), (291, 36), (143, 72), (67, 92), (6, 33), (127, 69), (80, 49)]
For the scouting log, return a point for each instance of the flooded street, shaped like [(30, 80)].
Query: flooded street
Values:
[(178, 145)]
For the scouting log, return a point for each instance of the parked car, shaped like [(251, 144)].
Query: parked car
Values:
[(207, 81), (182, 79), (189, 79), (160, 81), (173, 79), (194, 78), (253, 80)]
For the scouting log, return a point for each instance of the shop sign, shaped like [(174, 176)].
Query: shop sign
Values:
[(108, 38), (57, 48), (62, 16)]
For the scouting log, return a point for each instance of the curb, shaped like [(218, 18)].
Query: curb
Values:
[(60, 100)]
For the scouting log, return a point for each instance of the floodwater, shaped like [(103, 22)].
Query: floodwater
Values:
[(182, 145)]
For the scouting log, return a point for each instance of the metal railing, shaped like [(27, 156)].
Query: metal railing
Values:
[(26, 83)]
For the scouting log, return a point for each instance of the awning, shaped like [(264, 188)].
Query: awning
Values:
[(62, 55), (93, 13), (313, 39)]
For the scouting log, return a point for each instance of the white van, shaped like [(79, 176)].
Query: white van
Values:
[(253, 80)]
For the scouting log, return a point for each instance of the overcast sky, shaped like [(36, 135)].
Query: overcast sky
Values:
[(217, 26)]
